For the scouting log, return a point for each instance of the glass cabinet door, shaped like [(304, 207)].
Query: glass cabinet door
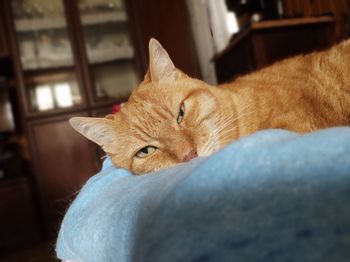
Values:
[(46, 54), (109, 49)]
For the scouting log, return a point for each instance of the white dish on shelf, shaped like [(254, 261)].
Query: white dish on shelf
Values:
[(110, 54), (48, 23), (37, 24), (102, 18), (44, 63)]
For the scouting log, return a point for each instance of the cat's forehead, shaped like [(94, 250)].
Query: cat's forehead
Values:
[(149, 105), (152, 103), (149, 108), (161, 93)]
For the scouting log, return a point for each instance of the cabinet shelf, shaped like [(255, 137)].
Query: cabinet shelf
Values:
[(102, 18), (37, 24), (48, 23), (111, 54), (97, 56), (48, 76), (42, 64), (111, 62)]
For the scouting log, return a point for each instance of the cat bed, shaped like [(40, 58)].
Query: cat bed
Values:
[(271, 196)]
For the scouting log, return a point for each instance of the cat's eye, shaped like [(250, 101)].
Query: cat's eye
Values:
[(181, 113), (146, 151)]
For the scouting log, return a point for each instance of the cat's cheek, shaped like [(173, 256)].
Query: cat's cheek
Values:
[(202, 104), (136, 166), (141, 166), (118, 162), (207, 143)]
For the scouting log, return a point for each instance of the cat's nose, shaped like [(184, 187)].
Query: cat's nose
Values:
[(190, 155)]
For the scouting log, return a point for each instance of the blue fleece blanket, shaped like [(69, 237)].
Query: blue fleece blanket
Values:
[(272, 196)]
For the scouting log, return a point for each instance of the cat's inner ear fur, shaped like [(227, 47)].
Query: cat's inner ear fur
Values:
[(98, 130), (160, 64)]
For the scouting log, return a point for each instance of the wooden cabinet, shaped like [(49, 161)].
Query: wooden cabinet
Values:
[(266, 42), (3, 44), (18, 216), (63, 160), (109, 53), (73, 55), (314, 8), (69, 57), (168, 21), (78, 58), (51, 78)]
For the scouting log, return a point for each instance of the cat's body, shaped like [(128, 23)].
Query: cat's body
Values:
[(302, 94), (171, 118)]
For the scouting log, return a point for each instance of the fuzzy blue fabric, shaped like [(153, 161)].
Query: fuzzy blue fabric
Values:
[(271, 196)]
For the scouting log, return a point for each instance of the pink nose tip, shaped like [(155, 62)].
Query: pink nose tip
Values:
[(190, 155)]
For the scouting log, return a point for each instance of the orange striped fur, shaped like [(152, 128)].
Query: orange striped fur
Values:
[(302, 94)]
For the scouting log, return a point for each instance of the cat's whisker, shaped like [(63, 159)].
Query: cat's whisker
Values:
[(228, 135), (228, 121), (223, 122), (210, 144), (224, 130), (225, 136)]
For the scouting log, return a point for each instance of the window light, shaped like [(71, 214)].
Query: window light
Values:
[(44, 97), (63, 95)]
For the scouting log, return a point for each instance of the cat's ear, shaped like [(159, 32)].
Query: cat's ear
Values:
[(160, 64), (98, 130), (147, 77)]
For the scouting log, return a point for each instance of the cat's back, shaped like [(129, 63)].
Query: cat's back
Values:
[(333, 63), (318, 83)]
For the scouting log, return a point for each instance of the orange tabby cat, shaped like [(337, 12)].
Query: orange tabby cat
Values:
[(171, 118)]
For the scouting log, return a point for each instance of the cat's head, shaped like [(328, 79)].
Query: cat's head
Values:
[(169, 118)]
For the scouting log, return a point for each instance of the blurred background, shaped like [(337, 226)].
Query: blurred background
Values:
[(64, 58)]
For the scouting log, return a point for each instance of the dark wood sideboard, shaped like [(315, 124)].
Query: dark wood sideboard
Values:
[(263, 43)]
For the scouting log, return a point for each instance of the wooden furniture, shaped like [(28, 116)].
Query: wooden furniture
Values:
[(61, 71), (78, 58), (3, 45), (340, 9), (18, 217), (64, 161), (167, 21), (266, 42)]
